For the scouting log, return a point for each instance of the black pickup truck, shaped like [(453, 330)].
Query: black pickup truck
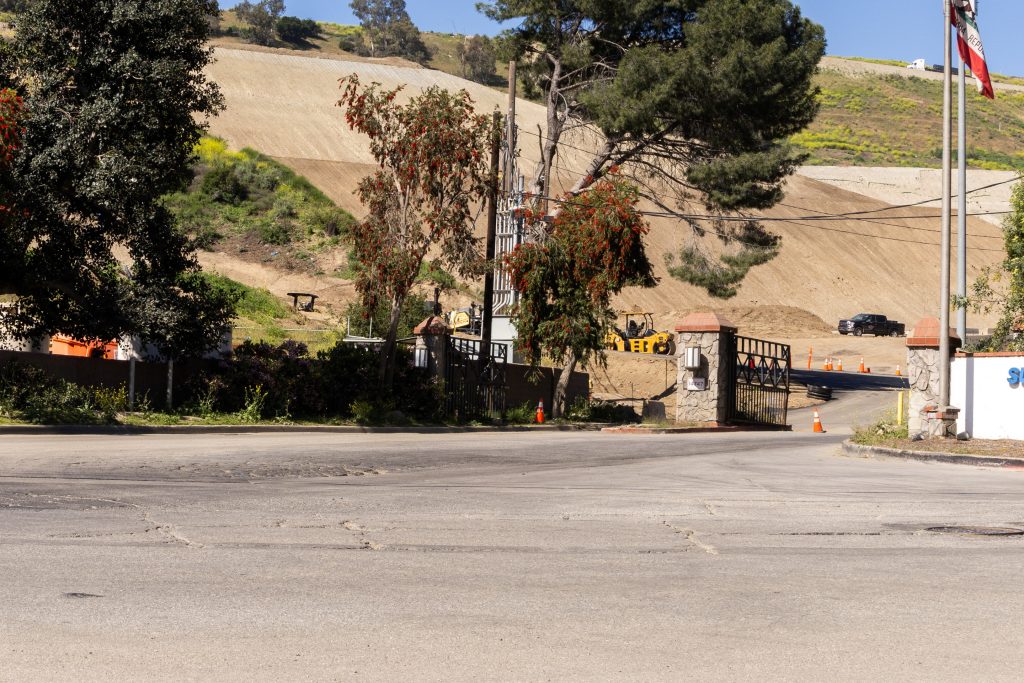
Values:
[(871, 323)]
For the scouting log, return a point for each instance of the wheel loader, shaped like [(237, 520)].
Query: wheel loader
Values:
[(639, 336)]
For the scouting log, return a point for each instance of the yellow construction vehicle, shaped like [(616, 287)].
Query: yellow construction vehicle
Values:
[(639, 336), (466, 320)]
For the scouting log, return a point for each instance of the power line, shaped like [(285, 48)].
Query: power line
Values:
[(791, 221), (824, 216)]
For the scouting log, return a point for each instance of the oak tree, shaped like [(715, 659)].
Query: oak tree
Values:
[(115, 96), (388, 31), (477, 55)]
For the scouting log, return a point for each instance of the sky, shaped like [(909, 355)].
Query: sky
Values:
[(883, 29)]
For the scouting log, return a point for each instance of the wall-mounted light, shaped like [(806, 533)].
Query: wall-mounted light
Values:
[(691, 360)]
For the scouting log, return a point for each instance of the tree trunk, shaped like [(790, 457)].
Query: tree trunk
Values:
[(541, 185), (558, 407), (387, 353)]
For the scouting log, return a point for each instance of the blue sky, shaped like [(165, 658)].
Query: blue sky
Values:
[(885, 29)]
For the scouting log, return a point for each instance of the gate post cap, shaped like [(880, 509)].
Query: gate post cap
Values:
[(705, 321), (432, 326), (926, 334)]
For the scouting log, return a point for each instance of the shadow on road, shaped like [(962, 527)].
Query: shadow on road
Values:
[(849, 381)]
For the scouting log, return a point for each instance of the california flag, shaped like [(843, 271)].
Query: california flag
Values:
[(972, 53)]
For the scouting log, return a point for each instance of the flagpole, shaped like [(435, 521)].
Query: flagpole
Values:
[(961, 207), (947, 172)]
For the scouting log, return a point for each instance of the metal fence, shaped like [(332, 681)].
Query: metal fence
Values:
[(759, 381), (475, 387)]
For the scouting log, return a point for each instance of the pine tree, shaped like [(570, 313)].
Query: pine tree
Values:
[(690, 96)]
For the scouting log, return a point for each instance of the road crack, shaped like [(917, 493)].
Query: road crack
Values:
[(691, 536), (170, 531)]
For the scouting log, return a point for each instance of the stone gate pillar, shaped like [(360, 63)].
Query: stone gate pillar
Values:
[(432, 344), (926, 415), (702, 391)]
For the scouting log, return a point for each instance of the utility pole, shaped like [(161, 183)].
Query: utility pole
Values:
[(961, 207), (947, 172), (492, 226), (510, 136)]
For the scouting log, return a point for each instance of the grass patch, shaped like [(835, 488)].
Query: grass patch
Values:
[(869, 60), (239, 193), (884, 431), (254, 303), (893, 120)]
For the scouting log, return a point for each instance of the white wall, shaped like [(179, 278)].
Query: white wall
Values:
[(990, 407)]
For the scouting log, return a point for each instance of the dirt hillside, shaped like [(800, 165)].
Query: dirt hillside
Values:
[(284, 105)]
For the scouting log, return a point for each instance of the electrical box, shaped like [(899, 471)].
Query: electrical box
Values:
[(691, 360)]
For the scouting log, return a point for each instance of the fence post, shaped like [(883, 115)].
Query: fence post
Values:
[(170, 384), (131, 383), (703, 375)]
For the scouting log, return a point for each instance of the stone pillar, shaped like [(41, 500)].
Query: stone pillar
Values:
[(432, 344), (702, 392), (926, 415)]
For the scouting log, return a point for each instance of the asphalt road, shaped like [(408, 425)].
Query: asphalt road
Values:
[(547, 556), (857, 400)]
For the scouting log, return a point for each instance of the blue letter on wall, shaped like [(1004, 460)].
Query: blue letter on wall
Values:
[(1014, 378)]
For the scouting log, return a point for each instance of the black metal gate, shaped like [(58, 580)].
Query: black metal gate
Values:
[(759, 383), (474, 389)]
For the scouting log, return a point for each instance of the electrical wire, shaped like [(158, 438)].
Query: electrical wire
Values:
[(825, 216), (790, 221)]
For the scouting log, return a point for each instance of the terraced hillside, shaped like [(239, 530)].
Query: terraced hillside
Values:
[(882, 115), (284, 105)]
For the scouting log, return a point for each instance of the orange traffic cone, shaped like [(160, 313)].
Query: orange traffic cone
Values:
[(840, 367), (861, 369), (540, 413), (898, 373), (818, 429), (828, 364)]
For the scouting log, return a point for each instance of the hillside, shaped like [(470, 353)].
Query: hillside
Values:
[(284, 105), (882, 115), (443, 47)]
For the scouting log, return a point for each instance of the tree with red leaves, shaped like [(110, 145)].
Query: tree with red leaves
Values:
[(12, 111), (432, 173), (593, 250)]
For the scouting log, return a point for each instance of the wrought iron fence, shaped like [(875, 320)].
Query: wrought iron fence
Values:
[(759, 381), (474, 386)]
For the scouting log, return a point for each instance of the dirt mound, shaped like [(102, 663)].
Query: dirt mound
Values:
[(775, 321)]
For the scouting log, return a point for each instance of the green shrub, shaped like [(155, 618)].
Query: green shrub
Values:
[(222, 184), (274, 232), (522, 414), (256, 304), (29, 393), (589, 410), (111, 401), (255, 404), (330, 221)]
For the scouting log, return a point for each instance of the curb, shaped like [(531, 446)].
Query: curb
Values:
[(927, 456), (694, 430), (130, 430)]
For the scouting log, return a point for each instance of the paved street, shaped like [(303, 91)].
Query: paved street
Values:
[(548, 556)]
